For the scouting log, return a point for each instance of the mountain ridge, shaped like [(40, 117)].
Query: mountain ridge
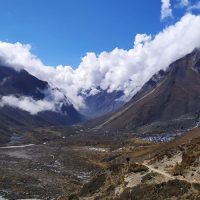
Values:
[(21, 92), (176, 94)]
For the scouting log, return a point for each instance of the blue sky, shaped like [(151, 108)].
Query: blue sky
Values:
[(62, 31)]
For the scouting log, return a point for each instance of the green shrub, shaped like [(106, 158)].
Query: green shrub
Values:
[(137, 168)]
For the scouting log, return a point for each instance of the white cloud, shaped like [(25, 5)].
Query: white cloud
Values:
[(194, 6), (166, 10), (119, 69), (140, 39), (27, 104), (183, 3), (53, 101)]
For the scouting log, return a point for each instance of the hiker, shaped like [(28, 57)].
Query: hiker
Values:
[(127, 160)]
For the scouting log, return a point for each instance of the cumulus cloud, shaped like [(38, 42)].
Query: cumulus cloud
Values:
[(118, 69), (195, 6), (166, 10), (27, 104), (183, 3), (54, 101)]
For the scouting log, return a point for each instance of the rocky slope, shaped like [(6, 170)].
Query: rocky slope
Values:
[(165, 171)]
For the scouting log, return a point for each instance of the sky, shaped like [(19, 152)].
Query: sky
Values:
[(62, 31), (83, 47)]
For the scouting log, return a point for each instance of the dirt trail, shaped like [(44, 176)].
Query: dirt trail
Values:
[(189, 180), (159, 171)]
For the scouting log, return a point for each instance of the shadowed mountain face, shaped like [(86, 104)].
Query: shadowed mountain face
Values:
[(22, 84), (102, 103), (170, 98)]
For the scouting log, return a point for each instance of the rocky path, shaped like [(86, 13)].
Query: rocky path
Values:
[(13, 147), (158, 171)]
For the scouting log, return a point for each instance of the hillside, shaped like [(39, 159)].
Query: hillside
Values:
[(160, 171)]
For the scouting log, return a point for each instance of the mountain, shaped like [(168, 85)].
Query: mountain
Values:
[(169, 101), (101, 103), (19, 89)]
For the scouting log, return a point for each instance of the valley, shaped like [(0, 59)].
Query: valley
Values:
[(85, 165), (145, 149), (99, 100), (62, 164)]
